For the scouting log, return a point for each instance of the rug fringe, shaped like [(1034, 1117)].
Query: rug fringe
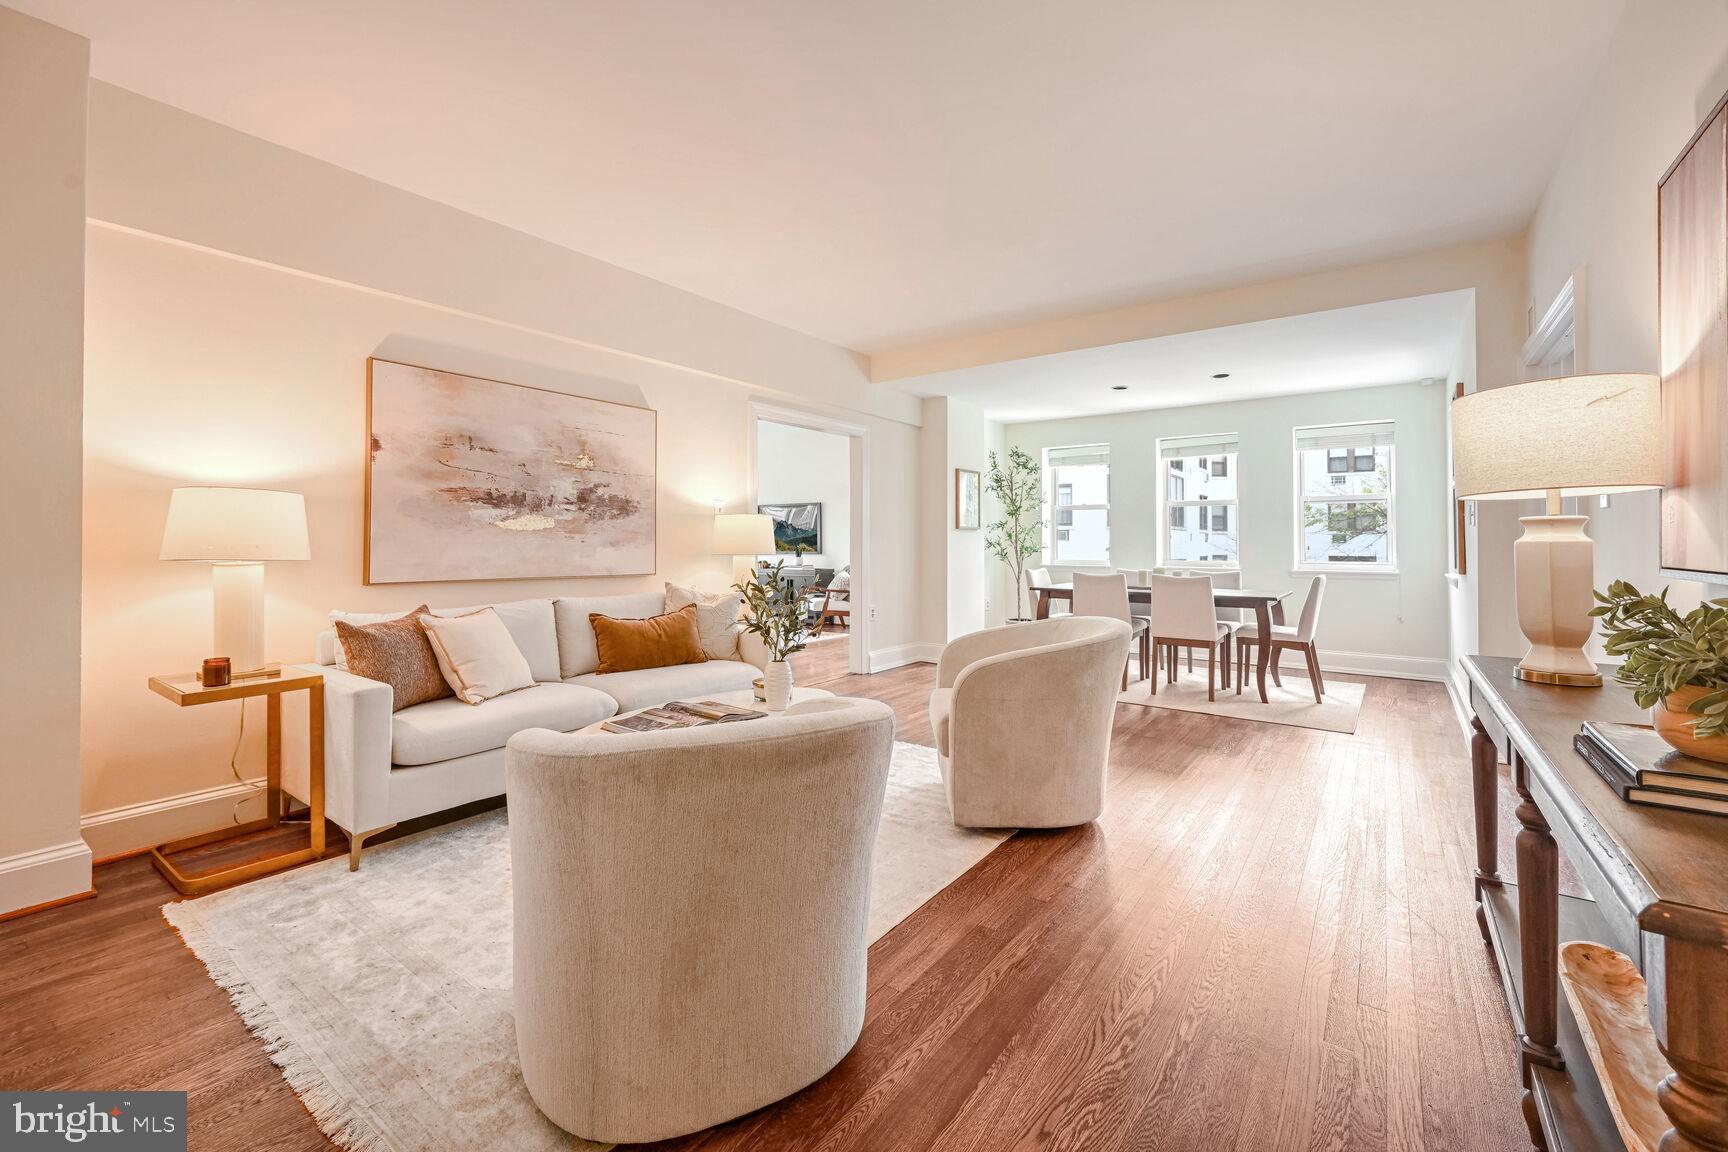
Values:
[(328, 1109)]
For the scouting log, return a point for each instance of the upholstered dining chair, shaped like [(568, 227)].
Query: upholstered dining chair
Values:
[(1231, 618), (1107, 596), (1300, 638), (691, 913), (1040, 577), (1183, 617), (1021, 717)]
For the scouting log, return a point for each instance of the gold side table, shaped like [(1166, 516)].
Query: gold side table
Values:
[(187, 692)]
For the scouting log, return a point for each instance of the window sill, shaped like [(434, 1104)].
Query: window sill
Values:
[(1343, 570)]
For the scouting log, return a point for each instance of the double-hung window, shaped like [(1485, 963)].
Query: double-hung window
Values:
[(1079, 491), (1199, 490), (1344, 497)]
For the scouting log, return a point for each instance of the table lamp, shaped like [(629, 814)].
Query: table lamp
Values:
[(236, 530), (1572, 436), (743, 534)]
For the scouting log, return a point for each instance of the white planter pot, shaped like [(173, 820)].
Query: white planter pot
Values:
[(777, 683)]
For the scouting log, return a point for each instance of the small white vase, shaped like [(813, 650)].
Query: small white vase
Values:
[(777, 684)]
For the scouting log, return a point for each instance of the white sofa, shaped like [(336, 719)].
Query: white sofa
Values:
[(383, 767)]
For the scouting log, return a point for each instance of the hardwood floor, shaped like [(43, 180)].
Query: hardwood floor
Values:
[(1266, 943)]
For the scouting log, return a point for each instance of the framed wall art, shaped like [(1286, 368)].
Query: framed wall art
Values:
[(475, 479)]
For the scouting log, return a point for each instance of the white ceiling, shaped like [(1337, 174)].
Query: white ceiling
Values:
[(878, 172), (1393, 342)]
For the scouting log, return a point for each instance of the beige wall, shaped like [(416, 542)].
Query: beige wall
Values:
[(43, 75), (1667, 66), (227, 338)]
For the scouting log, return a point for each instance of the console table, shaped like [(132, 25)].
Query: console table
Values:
[(1658, 885)]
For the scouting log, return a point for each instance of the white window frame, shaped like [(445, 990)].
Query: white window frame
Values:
[(1052, 543), (1165, 503), (1341, 567)]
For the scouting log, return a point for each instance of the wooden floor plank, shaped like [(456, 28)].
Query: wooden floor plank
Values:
[(1267, 942)]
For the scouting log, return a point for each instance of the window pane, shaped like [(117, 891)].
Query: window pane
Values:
[(1201, 478), (1341, 472), (1086, 539), (1209, 535), (1346, 533), (1083, 484)]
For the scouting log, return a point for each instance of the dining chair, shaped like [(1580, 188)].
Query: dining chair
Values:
[(1183, 616), (1101, 595), (1300, 638), (1231, 618), (1040, 577)]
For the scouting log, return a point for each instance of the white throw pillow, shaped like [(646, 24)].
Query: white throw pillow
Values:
[(477, 655), (530, 622), (716, 618)]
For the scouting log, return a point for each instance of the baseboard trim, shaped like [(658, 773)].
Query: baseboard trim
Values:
[(30, 880), (882, 659), (122, 831), (1373, 664)]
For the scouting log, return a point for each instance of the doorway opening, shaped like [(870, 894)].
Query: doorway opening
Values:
[(808, 473)]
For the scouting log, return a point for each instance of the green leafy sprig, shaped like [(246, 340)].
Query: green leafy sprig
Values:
[(773, 613), (1665, 651)]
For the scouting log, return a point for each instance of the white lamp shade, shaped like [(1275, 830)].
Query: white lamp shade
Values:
[(743, 534), (1583, 435), (235, 524)]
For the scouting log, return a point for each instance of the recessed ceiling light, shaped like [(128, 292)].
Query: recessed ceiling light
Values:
[(1220, 375), (1118, 387)]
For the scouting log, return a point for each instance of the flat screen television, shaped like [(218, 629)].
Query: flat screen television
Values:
[(794, 525)]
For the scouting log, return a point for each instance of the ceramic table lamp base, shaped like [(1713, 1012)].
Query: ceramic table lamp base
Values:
[(237, 630), (1553, 566)]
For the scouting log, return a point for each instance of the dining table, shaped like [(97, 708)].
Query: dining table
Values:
[(1268, 609)]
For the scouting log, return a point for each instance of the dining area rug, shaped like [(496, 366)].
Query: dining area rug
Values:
[(1292, 705), (384, 995)]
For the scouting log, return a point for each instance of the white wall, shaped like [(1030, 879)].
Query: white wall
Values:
[(235, 291), (967, 446), (43, 75), (1666, 67), (1394, 624), (803, 465)]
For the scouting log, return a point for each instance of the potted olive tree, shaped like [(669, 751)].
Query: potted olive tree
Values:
[(1018, 486), (776, 614), (1677, 666)]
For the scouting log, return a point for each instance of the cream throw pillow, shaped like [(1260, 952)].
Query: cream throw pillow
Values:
[(716, 618), (477, 655)]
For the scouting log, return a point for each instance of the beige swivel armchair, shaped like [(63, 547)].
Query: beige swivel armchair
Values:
[(690, 913), (1022, 716)]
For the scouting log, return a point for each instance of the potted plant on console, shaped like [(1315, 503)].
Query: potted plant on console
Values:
[(776, 616), (1677, 666)]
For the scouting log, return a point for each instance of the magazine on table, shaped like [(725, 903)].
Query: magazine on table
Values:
[(681, 714)]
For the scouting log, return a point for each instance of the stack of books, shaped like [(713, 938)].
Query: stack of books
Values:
[(1642, 768)]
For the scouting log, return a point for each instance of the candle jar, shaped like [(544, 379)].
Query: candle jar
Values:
[(217, 672)]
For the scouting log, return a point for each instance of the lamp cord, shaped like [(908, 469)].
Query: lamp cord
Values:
[(234, 768)]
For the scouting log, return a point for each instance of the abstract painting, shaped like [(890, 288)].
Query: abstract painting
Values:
[(474, 479), (797, 527), (1692, 304), (968, 499)]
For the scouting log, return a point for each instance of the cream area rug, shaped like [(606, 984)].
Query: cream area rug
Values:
[(1293, 704), (384, 994)]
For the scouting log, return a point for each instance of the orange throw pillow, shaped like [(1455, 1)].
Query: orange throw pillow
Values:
[(657, 642)]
